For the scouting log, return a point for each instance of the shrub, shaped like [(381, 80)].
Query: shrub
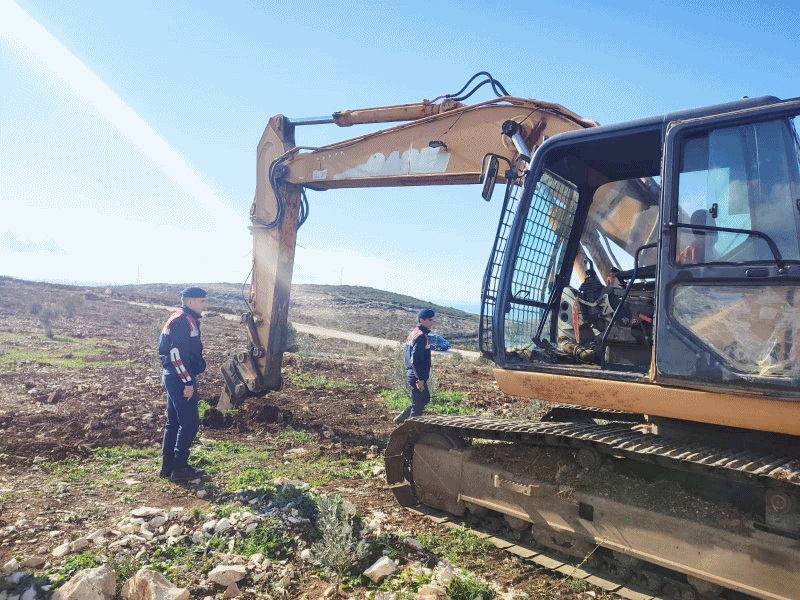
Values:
[(339, 548), (291, 338), (47, 315)]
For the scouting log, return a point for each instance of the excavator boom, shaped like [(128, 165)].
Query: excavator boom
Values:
[(444, 144)]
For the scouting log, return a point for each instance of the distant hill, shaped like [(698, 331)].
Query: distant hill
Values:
[(359, 309)]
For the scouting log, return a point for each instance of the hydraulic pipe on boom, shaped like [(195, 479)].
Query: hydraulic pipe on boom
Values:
[(441, 144)]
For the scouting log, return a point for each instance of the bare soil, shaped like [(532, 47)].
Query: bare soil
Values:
[(96, 384)]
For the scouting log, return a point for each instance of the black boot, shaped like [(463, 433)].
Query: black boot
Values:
[(181, 472), (166, 465)]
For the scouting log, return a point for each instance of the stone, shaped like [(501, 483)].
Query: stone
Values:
[(259, 576), (222, 525), (227, 574), (176, 512), (381, 569), (330, 591), (201, 493), (409, 541), (152, 585), (78, 545), (305, 555), (157, 522), (97, 533), (32, 562), (29, 594), (385, 596), (257, 558), (197, 537), (10, 566), (445, 576), (146, 511), (231, 591), (431, 592), (174, 530), (89, 584), (62, 550)]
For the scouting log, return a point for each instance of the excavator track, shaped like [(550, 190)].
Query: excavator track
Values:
[(430, 462)]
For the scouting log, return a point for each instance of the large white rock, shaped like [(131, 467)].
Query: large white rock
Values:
[(10, 566), (90, 584), (431, 592), (382, 568), (61, 550), (157, 522), (227, 574), (231, 592), (222, 525), (146, 511), (152, 585)]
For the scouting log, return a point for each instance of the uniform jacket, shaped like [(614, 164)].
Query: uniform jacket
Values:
[(179, 345), (418, 353)]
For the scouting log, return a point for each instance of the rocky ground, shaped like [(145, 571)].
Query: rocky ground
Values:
[(81, 412)]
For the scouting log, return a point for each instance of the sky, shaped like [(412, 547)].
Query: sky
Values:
[(128, 131)]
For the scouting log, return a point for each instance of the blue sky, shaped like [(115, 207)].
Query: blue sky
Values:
[(128, 130)]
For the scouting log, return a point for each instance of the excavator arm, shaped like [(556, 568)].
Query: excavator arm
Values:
[(444, 143)]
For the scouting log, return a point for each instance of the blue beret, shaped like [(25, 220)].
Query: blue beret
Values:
[(194, 292), (426, 313)]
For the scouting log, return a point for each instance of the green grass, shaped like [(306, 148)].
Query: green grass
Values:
[(61, 351), (291, 436), (468, 589), (445, 402), (457, 545), (271, 538)]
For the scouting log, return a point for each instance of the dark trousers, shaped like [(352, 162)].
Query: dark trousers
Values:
[(183, 421), (419, 399)]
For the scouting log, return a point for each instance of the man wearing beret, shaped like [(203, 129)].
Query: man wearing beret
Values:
[(418, 365), (181, 354)]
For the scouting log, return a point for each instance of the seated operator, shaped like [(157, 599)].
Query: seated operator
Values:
[(576, 334), (701, 248)]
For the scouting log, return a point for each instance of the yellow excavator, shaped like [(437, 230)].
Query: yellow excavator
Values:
[(643, 281)]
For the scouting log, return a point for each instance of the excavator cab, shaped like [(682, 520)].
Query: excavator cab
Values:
[(690, 223)]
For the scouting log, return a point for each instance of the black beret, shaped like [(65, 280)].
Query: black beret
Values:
[(194, 292), (426, 313)]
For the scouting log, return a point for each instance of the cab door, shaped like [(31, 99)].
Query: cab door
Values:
[(728, 303)]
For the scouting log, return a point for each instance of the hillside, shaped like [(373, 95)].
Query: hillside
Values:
[(358, 309)]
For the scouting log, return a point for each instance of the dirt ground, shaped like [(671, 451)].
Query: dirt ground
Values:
[(96, 384)]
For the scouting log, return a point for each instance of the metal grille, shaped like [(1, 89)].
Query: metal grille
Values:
[(491, 278), (539, 258)]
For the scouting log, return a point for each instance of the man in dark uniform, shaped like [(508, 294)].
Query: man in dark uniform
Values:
[(181, 354), (418, 365)]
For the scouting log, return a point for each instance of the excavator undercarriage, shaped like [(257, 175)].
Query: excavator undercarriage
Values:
[(669, 515)]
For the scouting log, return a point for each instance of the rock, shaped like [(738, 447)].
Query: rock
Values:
[(90, 584), (259, 576), (174, 530), (330, 591), (32, 562), (222, 525), (96, 534), (431, 592), (378, 470), (146, 511), (201, 493), (231, 591), (152, 585), (382, 568), (445, 576), (385, 596), (29, 594), (78, 544), (197, 537), (10, 566), (227, 574), (62, 550), (409, 541), (208, 526), (257, 558), (176, 512), (54, 397), (305, 555), (157, 522)]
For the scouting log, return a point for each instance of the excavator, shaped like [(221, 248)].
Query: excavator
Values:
[(644, 283)]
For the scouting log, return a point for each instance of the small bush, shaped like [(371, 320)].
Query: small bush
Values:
[(339, 548), (291, 338), (47, 315), (72, 304), (35, 308), (301, 500)]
